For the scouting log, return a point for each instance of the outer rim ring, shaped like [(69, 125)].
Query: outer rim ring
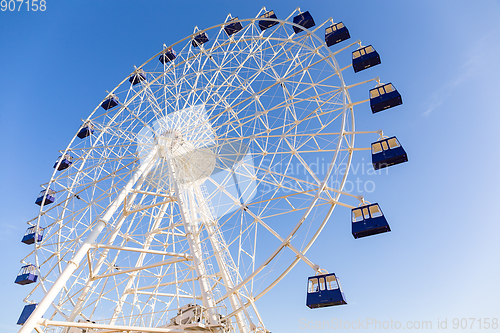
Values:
[(347, 102)]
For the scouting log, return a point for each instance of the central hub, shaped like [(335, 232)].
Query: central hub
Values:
[(184, 141), (171, 143), (190, 164)]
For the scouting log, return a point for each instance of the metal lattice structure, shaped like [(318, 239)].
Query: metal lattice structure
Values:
[(195, 194)]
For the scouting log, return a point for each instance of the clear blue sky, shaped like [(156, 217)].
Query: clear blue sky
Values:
[(440, 260)]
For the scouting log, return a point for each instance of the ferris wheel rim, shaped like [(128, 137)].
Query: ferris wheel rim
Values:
[(189, 38), (345, 94)]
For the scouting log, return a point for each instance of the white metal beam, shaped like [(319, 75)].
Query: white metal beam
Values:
[(133, 249), (125, 271), (73, 264)]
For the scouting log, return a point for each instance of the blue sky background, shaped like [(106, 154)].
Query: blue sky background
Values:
[(442, 258)]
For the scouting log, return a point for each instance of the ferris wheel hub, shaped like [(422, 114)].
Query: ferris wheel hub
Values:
[(191, 164), (170, 143)]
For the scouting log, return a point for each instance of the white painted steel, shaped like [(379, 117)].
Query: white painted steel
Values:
[(213, 177)]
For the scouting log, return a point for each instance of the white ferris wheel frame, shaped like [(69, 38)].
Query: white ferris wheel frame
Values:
[(239, 305)]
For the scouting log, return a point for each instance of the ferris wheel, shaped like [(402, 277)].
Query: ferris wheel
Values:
[(194, 186)]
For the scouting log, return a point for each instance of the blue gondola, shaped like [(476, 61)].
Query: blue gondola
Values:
[(27, 275), (368, 220), (110, 102), (33, 233), (384, 97), (266, 24), (364, 58), (199, 39), (336, 33), (167, 56), (49, 198), (66, 161), (232, 28), (324, 290), (27, 311), (303, 19), (137, 77), (86, 130), (387, 152)]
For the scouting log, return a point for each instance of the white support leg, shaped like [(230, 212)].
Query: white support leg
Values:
[(88, 287), (192, 235), (223, 257), (73, 264)]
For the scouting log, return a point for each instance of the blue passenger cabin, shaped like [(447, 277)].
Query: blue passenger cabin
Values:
[(86, 130), (27, 311), (110, 102), (232, 28), (33, 233), (324, 290), (27, 275), (167, 56), (384, 97), (387, 152), (336, 33), (137, 77), (266, 24), (63, 162), (368, 220), (303, 19), (199, 39), (49, 198), (364, 58)]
